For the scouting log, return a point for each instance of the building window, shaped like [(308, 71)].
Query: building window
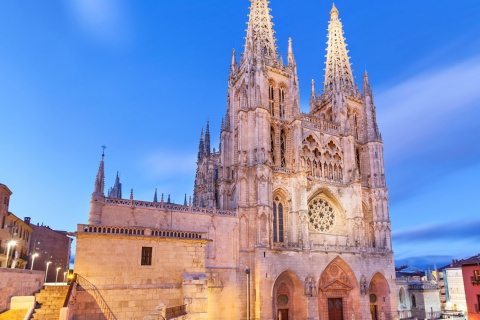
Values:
[(277, 220), (282, 149), (271, 100), (146, 256), (272, 144), (281, 94), (414, 301)]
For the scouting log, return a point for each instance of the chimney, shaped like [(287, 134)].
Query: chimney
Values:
[(27, 220)]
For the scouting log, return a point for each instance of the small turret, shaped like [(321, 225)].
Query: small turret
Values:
[(155, 196), (313, 96), (233, 63), (185, 200), (207, 139), (201, 147), (372, 132), (291, 58)]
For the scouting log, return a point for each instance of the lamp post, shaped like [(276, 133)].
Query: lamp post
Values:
[(10, 244), (33, 259), (65, 276), (46, 270), (56, 277)]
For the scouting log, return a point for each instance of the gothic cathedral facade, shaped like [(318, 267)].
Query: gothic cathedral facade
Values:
[(289, 218)]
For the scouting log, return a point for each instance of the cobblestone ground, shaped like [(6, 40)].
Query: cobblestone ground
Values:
[(18, 314)]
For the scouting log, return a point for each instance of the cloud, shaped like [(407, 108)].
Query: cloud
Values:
[(440, 101), (104, 20), (449, 231)]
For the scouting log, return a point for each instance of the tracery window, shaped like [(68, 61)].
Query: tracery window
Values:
[(321, 215), (272, 144), (281, 98), (277, 220), (271, 100), (282, 149)]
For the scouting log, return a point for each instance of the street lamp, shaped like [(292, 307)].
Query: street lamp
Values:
[(33, 259), (65, 276), (56, 277), (10, 244), (46, 270)]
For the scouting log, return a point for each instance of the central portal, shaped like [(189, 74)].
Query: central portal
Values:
[(335, 309)]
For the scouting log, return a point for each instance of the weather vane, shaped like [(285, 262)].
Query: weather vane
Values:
[(103, 152)]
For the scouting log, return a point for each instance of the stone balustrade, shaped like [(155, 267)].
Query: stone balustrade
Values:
[(140, 231), (312, 122), (168, 206)]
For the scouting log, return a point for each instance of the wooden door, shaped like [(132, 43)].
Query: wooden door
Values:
[(373, 311), (282, 314), (335, 309)]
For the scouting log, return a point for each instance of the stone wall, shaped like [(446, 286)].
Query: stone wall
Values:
[(112, 263), (15, 282)]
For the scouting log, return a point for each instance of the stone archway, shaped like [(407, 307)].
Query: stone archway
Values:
[(339, 293), (288, 300), (379, 296)]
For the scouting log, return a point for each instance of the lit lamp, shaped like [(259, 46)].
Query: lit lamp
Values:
[(10, 244), (56, 277), (33, 260), (46, 270), (65, 276)]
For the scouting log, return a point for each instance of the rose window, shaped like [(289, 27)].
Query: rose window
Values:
[(321, 215)]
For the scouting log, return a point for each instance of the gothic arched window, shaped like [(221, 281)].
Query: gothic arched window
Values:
[(281, 98), (277, 220), (283, 148), (272, 144), (271, 100)]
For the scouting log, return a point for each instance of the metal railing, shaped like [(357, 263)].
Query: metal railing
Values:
[(93, 291), (70, 300)]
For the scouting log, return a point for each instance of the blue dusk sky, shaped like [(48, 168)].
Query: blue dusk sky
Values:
[(144, 77)]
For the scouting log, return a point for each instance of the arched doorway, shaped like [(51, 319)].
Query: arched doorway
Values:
[(288, 300), (379, 295), (339, 293)]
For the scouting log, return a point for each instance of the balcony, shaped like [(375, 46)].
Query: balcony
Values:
[(475, 280)]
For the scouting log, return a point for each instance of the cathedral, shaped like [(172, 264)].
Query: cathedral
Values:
[(289, 217)]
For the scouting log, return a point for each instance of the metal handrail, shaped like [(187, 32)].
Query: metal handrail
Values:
[(93, 291)]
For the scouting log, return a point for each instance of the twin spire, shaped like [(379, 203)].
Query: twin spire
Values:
[(338, 72), (260, 35)]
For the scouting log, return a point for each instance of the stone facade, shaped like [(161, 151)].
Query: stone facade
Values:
[(14, 282), (294, 205)]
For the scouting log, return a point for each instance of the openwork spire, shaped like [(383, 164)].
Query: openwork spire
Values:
[(260, 34), (338, 73)]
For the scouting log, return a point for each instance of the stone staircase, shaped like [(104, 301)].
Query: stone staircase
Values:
[(49, 302)]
